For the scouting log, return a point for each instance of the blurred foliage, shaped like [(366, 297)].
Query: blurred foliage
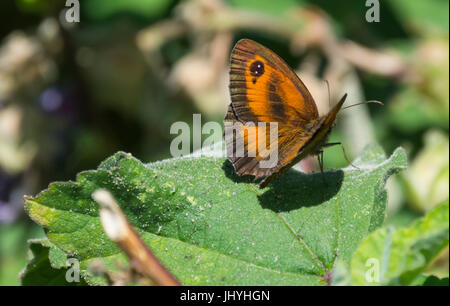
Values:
[(402, 253), (427, 178), (71, 95)]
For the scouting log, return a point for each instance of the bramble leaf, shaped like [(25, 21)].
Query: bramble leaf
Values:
[(210, 227)]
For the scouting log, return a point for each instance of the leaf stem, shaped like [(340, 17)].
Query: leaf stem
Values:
[(316, 259)]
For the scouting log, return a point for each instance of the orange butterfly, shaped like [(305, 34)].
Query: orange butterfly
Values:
[(264, 89)]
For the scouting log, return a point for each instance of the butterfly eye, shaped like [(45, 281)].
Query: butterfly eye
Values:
[(257, 68)]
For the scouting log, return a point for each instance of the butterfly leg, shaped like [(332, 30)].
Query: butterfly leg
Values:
[(343, 150), (329, 95), (320, 160)]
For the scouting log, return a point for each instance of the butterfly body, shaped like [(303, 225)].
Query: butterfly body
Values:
[(264, 89)]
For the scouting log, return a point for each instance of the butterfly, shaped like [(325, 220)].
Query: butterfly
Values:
[(264, 89)]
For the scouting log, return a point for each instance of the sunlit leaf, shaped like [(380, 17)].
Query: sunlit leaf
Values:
[(210, 227)]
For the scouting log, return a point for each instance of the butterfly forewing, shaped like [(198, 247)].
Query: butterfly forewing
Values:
[(264, 89)]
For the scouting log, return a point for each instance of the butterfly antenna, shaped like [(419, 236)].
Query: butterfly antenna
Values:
[(366, 102)]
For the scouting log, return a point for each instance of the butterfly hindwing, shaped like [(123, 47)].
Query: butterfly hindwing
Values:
[(287, 144)]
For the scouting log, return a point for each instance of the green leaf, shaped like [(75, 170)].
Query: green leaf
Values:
[(46, 266), (423, 16), (399, 256), (210, 227), (269, 7), (103, 9), (435, 281)]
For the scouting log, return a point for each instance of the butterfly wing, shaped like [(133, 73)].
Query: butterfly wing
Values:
[(311, 143), (264, 88), (287, 144)]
